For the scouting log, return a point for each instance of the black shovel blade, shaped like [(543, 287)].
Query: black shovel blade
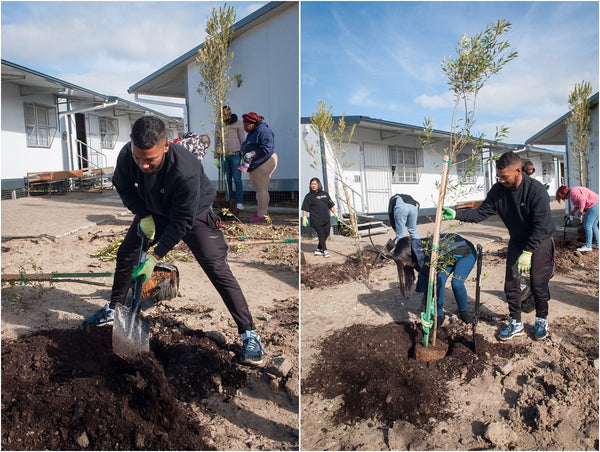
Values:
[(130, 338)]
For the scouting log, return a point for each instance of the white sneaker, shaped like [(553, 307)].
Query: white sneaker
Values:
[(240, 206), (325, 253), (318, 253), (584, 248)]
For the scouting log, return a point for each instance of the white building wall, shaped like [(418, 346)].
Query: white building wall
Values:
[(267, 56), (425, 191), (17, 157), (92, 120)]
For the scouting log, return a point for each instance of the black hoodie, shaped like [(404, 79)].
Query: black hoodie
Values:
[(525, 212), (178, 190)]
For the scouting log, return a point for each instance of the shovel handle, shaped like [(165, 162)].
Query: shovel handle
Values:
[(139, 282), (477, 288)]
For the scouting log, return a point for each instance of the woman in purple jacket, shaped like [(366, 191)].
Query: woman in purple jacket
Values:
[(259, 151)]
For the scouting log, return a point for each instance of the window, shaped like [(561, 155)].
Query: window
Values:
[(40, 125), (109, 132), (406, 165), (547, 172), (466, 169)]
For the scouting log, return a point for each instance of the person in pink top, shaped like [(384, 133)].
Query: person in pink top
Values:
[(584, 201)]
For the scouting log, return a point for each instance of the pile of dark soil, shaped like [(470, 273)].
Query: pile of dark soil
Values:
[(568, 258), (65, 390), (374, 370), (326, 275)]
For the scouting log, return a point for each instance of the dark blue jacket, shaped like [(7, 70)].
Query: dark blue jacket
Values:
[(262, 141), (178, 190), (452, 244)]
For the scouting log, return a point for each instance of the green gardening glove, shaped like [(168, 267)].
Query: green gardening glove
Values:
[(145, 270), (335, 215), (147, 227), (218, 163), (524, 262), (448, 213), (305, 222)]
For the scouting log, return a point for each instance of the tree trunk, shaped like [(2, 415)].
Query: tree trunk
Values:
[(435, 246)]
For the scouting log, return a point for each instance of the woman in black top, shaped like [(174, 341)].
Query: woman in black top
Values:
[(318, 203)]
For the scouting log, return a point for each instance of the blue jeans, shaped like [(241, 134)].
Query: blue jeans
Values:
[(405, 215), (460, 271), (232, 161), (590, 224)]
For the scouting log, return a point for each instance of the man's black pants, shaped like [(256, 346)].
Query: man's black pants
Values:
[(210, 249), (542, 269)]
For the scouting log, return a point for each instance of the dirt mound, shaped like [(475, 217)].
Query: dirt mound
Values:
[(326, 275), (568, 258), (65, 389), (518, 395), (374, 370)]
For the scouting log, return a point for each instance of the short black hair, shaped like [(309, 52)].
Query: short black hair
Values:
[(508, 159), (147, 131)]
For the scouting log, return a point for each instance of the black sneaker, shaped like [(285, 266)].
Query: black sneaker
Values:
[(466, 316)]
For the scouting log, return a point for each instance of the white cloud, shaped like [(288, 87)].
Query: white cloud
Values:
[(435, 102), (520, 129), (362, 96)]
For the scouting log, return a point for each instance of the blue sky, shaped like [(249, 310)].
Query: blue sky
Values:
[(377, 59), (383, 60), (105, 46)]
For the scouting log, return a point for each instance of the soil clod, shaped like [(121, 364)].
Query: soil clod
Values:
[(431, 352)]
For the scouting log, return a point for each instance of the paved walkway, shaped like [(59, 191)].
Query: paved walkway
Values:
[(58, 215), (72, 212)]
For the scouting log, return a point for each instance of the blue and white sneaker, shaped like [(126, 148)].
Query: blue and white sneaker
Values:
[(252, 349), (102, 317), (513, 329), (541, 329)]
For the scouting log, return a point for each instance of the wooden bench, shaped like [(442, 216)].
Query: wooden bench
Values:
[(468, 204), (50, 181)]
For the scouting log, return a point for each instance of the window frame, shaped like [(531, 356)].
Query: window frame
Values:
[(106, 135), (412, 170), (462, 166), (547, 176), (40, 134)]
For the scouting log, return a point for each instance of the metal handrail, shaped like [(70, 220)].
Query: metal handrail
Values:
[(95, 151)]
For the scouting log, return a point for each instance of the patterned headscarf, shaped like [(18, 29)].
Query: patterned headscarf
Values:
[(193, 143)]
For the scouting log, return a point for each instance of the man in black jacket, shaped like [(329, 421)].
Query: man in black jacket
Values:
[(524, 207), (166, 188)]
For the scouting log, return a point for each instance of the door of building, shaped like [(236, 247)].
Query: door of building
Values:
[(378, 176)]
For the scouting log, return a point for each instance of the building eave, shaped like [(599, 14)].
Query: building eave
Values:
[(555, 134), (169, 80), (30, 81)]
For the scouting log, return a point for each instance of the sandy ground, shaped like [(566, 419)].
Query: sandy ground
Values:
[(59, 234), (484, 406)]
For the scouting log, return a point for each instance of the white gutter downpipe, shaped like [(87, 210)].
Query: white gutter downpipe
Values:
[(97, 107), (164, 103)]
